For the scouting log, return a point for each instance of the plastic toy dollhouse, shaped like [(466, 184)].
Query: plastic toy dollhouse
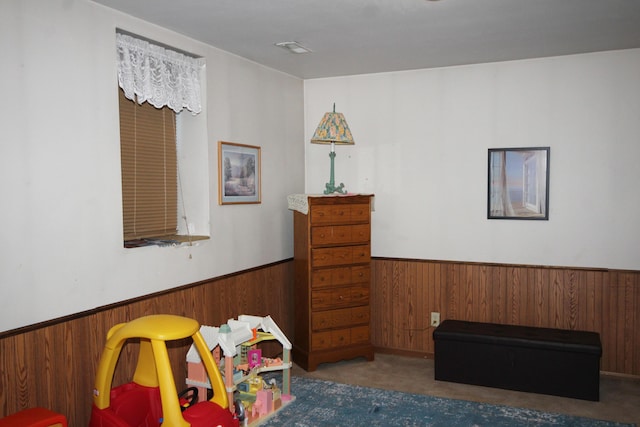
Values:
[(236, 348)]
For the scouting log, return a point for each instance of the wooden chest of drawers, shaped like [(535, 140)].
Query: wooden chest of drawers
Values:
[(332, 266)]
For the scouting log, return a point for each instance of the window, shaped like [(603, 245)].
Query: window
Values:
[(149, 170), (157, 140)]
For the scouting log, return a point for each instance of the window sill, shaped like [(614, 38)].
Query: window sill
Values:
[(171, 240)]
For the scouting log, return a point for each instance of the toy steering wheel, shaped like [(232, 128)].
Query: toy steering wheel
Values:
[(188, 397)]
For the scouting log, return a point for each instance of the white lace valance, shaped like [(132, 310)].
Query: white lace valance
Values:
[(147, 72)]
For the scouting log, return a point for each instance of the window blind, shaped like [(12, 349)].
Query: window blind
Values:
[(149, 169)]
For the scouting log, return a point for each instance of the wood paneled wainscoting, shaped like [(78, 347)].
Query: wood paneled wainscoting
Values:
[(405, 292), (53, 364)]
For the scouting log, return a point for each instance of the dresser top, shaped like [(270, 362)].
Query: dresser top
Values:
[(300, 202)]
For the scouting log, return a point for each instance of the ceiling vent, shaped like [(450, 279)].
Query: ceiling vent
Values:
[(293, 47)]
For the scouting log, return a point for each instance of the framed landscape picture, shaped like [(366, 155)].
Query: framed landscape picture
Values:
[(238, 173), (518, 183)]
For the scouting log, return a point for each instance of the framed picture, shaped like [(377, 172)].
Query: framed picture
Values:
[(518, 185), (254, 358), (238, 173)]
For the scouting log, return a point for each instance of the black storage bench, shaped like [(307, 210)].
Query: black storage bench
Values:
[(538, 360)]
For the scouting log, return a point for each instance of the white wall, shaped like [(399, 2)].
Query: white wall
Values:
[(61, 214), (421, 147)]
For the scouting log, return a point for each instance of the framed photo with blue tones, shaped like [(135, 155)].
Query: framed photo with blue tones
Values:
[(239, 170), (518, 183)]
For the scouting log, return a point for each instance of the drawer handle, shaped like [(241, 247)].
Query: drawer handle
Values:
[(341, 297)]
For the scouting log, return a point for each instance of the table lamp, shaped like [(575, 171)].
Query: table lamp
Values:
[(333, 129)]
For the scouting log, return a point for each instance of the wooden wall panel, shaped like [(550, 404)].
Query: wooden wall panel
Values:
[(405, 292), (54, 364)]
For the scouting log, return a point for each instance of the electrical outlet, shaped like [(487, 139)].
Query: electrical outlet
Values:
[(435, 319)]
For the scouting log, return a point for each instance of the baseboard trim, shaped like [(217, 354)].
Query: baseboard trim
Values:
[(400, 352)]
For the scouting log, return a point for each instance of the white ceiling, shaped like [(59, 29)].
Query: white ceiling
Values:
[(369, 36)]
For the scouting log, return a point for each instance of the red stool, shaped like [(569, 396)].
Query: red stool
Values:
[(34, 417)]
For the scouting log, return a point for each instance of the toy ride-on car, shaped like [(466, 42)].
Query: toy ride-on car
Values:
[(151, 398)]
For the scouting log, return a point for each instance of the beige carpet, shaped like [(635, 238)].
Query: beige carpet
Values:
[(619, 396)]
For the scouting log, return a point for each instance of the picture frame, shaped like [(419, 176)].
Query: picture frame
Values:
[(254, 358), (518, 183), (239, 173)]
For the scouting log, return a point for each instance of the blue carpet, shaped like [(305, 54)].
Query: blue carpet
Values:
[(326, 404)]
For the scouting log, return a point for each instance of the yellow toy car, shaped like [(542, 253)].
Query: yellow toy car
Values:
[(151, 398)]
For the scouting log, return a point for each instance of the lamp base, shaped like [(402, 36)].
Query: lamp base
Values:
[(330, 188)]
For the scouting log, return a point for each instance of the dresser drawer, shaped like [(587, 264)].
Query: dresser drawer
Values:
[(340, 338), (343, 255), (339, 297), (360, 335), (321, 341), (340, 234), (340, 318), (359, 295), (339, 214), (361, 274), (360, 213), (329, 277)]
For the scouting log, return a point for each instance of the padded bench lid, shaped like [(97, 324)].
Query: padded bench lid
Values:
[(523, 336)]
